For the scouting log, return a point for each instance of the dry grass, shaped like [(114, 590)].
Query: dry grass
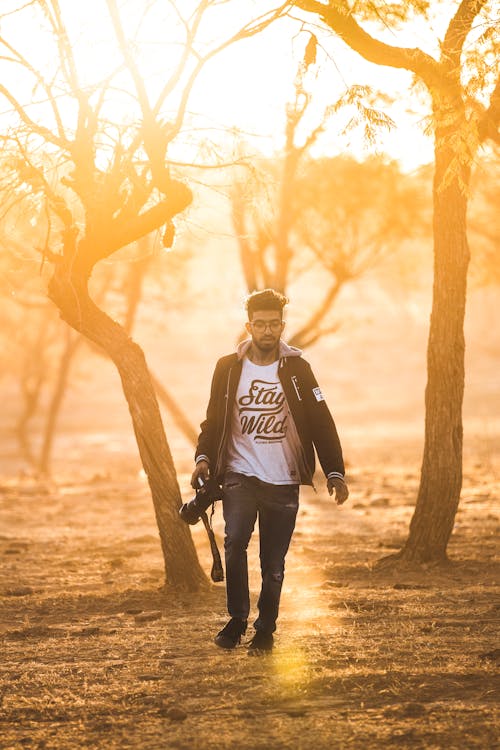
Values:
[(96, 655)]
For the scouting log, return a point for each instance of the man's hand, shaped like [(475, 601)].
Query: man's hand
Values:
[(201, 470), (340, 487)]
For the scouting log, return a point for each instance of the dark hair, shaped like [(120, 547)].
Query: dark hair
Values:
[(267, 299)]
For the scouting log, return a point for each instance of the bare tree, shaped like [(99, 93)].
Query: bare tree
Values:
[(43, 351), (462, 121)]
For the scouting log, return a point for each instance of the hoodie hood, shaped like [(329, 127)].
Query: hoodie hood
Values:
[(285, 350)]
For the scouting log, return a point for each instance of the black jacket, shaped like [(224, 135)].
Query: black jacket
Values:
[(308, 408)]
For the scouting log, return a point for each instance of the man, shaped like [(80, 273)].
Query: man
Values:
[(265, 414)]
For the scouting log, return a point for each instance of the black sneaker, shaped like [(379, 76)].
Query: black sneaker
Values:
[(230, 635), (261, 643)]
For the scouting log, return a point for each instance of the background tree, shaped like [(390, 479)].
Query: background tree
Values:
[(31, 331), (118, 187), (42, 349), (352, 215), (277, 208), (262, 206), (464, 89), (343, 216), (484, 223)]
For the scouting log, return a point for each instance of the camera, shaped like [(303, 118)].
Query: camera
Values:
[(208, 492)]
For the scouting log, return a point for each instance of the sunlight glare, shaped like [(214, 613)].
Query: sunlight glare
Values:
[(292, 671)]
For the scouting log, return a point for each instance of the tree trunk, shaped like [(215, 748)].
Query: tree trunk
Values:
[(175, 411), (134, 287), (33, 377), (178, 416), (31, 394), (441, 477), (134, 282), (70, 347), (284, 221), (70, 295)]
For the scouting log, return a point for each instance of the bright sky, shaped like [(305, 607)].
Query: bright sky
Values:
[(245, 87)]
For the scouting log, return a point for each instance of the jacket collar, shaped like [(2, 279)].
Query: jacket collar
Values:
[(285, 350)]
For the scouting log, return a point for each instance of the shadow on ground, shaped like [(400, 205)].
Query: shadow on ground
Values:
[(96, 654)]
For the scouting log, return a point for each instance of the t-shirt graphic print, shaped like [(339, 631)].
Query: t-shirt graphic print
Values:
[(261, 411), (264, 439)]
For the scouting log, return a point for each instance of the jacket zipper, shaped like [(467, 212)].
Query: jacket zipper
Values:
[(293, 380), (294, 383), (219, 453)]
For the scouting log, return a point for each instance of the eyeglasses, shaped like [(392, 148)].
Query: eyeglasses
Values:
[(261, 325)]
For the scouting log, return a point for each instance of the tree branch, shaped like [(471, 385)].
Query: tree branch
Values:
[(247, 252), (307, 332), (458, 30), (40, 130), (373, 50), (313, 336), (246, 32), (129, 60), (18, 10), (92, 248), (21, 60), (188, 49), (66, 58), (35, 177)]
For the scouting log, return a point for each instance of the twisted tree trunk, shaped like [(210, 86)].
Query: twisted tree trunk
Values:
[(70, 294)]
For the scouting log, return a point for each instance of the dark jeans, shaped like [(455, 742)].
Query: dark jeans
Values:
[(245, 498)]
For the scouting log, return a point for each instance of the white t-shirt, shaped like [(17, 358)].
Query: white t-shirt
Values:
[(264, 442)]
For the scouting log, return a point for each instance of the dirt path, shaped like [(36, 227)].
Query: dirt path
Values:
[(95, 655)]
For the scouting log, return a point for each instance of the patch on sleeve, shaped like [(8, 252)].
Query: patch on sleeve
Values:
[(318, 394)]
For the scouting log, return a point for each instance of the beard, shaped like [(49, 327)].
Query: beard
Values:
[(266, 345)]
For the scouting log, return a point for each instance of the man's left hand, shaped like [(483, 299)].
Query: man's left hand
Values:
[(340, 487)]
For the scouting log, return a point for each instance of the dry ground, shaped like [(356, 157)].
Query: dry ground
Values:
[(96, 655)]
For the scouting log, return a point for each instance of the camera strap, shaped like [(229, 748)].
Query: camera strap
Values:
[(217, 572)]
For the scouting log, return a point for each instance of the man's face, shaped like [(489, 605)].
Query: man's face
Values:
[(265, 328)]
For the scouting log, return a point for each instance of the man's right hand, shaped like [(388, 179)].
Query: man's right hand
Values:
[(201, 470)]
